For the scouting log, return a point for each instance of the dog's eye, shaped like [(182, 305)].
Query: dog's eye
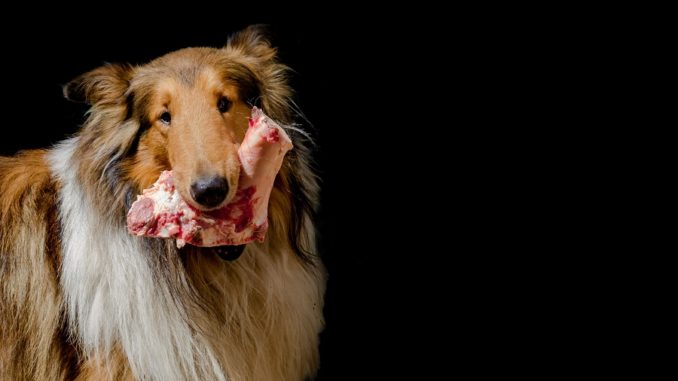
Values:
[(224, 104), (166, 118)]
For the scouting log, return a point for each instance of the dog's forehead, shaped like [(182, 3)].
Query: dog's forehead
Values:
[(183, 67), (194, 68), (187, 56)]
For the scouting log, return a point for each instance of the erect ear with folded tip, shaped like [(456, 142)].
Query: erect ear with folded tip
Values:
[(104, 85), (253, 41), (251, 49)]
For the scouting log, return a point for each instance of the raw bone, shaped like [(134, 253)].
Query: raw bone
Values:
[(161, 212)]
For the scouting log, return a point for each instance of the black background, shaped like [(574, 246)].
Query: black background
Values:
[(442, 139), (354, 79)]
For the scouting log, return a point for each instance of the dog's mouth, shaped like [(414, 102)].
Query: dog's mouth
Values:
[(229, 253)]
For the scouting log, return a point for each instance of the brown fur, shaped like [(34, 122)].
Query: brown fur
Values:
[(253, 312), (31, 320)]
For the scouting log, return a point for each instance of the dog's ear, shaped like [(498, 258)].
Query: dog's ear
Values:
[(252, 49), (104, 85), (253, 42)]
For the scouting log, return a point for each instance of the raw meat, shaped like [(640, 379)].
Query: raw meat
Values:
[(161, 212)]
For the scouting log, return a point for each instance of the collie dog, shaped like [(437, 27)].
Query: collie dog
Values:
[(81, 299)]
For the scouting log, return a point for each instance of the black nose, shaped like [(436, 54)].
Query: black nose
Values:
[(209, 192)]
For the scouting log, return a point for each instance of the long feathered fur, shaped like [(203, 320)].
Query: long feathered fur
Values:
[(82, 299)]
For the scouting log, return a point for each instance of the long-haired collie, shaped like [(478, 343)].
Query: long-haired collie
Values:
[(81, 299)]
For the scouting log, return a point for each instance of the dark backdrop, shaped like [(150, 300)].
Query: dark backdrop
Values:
[(354, 84)]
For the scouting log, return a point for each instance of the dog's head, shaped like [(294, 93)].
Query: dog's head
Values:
[(188, 111), (192, 108)]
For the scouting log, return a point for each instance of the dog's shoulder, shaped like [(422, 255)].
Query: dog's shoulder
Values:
[(25, 183), (32, 343)]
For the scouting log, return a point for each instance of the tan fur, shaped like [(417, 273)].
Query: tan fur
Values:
[(32, 336), (257, 317), (114, 368)]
